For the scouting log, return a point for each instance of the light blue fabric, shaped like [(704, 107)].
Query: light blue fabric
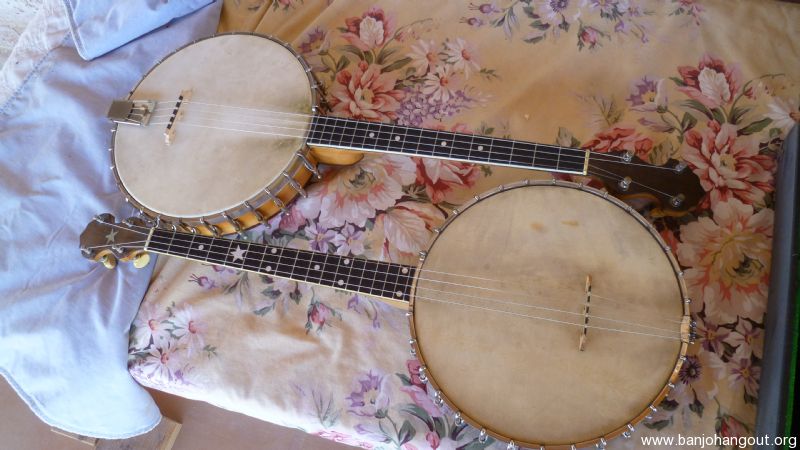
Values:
[(101, 26), (64, 321)]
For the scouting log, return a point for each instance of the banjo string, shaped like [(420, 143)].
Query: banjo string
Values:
[(303, 136), (491, 299), (301, 116)]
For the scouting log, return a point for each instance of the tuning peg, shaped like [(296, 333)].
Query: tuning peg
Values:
[(141, 260), (105, 218), (135, 222), (109, 261), (677, 200), (625, 183)]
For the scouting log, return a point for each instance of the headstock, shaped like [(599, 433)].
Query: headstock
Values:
[(106, 241), (673, 187)]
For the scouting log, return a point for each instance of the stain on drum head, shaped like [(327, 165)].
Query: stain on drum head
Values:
[(525, 378)]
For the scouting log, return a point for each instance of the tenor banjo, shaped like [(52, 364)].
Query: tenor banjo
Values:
[(224, 132), (561, 326)]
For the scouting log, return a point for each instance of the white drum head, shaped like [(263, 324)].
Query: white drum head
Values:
[(219, 156), (524, 378)]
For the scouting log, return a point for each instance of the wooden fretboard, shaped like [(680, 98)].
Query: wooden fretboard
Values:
[(388, 280), (326, 131)]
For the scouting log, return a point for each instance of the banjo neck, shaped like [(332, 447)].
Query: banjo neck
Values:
[(389, 281), (338, 132)]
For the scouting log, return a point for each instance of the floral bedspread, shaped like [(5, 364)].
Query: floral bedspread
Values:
[(709, 82)]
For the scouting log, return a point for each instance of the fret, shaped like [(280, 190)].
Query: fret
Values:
[(413, 139), (283, 265), (344, 129), (300, 266), (180, 244), (270, 261), (358, 281), (379, 277), (461, 148), (323, 135), (427, 143), (390, 287), (480, 148), (339, 282), (316, 267), (218, 251), (523, 154), (353, 274), (313, 129), (381, 137), (253, 257)]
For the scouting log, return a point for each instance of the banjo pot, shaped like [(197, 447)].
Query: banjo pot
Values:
[(563, 325), (223, 133)]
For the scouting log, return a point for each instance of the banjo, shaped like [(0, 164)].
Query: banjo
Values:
[(198, 154), (567, 341)]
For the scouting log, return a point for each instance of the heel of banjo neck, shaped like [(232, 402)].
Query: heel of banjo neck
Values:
[(336, 156)]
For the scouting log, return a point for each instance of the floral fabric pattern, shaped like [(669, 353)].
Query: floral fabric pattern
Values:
[(336, 364)]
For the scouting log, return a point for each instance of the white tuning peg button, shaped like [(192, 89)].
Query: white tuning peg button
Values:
[(141, 260), (109, 261)]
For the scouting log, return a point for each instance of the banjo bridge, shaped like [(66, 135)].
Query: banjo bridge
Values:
[(177, 113), (131, 112)]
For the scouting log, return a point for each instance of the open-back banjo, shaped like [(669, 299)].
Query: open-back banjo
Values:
[(566, 341), (191, 151)]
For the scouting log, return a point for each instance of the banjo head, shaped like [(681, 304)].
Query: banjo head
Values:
[(218, 157), (499, 311)]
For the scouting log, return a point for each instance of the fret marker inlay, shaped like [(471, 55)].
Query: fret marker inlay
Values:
[(372, 135), (238, 254), (201, 246), (397, 138), (316, 266)]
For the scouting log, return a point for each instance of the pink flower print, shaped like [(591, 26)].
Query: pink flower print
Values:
[(161, 363), (728, 165), (350, 241), (747, 338), (648, 96), (313, 47), (621, 139), (728, 260), (744, 373), (711, 336), (319, 314), (433, 439), (366, 93), (423, 56), (588, 37), (485, 8), (189, 330), (420, 398), (370, 30), (728, 426), (785, 113), (353, 194), (371, 396), (440, 177), (344, 438), (711, 83), (203, 281), (149, 324), (442, 83), (462, 56), (320, 237)]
